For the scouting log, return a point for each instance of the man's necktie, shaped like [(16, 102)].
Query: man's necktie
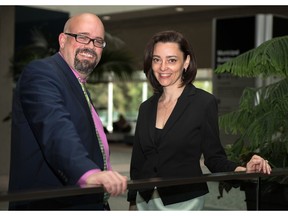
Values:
[(106, 195)]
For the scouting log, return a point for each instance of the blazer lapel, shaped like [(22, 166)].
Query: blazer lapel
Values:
[(151, 118), (72, 82), (183, 101)]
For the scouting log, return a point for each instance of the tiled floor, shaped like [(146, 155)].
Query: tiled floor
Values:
[(120, 159), (3, 188)]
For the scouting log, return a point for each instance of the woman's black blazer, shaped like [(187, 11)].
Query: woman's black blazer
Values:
[(190, 132)]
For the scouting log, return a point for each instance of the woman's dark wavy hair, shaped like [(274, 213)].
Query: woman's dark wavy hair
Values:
[(185, 47)]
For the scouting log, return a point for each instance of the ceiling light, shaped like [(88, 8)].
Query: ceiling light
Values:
[(106, 18), (179, 9)]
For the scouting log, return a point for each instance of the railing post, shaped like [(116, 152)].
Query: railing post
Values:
[(258, 194)]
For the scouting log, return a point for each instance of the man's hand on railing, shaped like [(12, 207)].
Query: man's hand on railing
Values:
[(113, 182)]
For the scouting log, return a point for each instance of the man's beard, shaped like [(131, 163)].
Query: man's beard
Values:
[(85, 66)]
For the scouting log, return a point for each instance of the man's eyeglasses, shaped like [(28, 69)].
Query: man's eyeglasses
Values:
[(97, 42)]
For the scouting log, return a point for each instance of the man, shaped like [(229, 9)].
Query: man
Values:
[(56, 133)]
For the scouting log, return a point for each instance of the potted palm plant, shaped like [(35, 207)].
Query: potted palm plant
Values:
[(115, 56), (260, 123)]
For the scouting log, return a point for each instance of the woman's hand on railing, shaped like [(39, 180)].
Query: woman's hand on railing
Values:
[(258, 164)]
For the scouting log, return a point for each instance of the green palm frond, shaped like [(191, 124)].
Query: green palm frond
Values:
[(260, 123), (261, 106), (40, 47), (270, 58), (115, 57), (119, 62)]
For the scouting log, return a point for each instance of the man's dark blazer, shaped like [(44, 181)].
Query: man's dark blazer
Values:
[(53, 139), (191, 130)]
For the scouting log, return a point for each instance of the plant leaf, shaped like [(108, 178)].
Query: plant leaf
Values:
[(267, 59)]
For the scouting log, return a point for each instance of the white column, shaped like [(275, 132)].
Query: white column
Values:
[(263, 32), (110, 106), (144, 91)]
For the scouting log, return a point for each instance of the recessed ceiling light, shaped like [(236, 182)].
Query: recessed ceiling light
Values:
[(106, 17), (179, 9)]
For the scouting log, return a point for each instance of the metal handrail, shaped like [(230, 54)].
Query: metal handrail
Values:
[(139, 184)]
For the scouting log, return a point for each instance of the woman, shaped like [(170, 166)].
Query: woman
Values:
[(175, 127)]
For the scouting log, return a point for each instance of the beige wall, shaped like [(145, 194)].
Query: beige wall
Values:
[(6, 84), (196, 25)]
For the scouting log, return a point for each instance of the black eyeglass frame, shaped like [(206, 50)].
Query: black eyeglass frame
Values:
[(98, 40)]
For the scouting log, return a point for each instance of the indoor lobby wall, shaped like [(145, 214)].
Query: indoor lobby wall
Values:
[(6, 83), (15, 27), (196, 26)]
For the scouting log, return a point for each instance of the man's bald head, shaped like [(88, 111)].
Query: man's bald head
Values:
[(82, 57)]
